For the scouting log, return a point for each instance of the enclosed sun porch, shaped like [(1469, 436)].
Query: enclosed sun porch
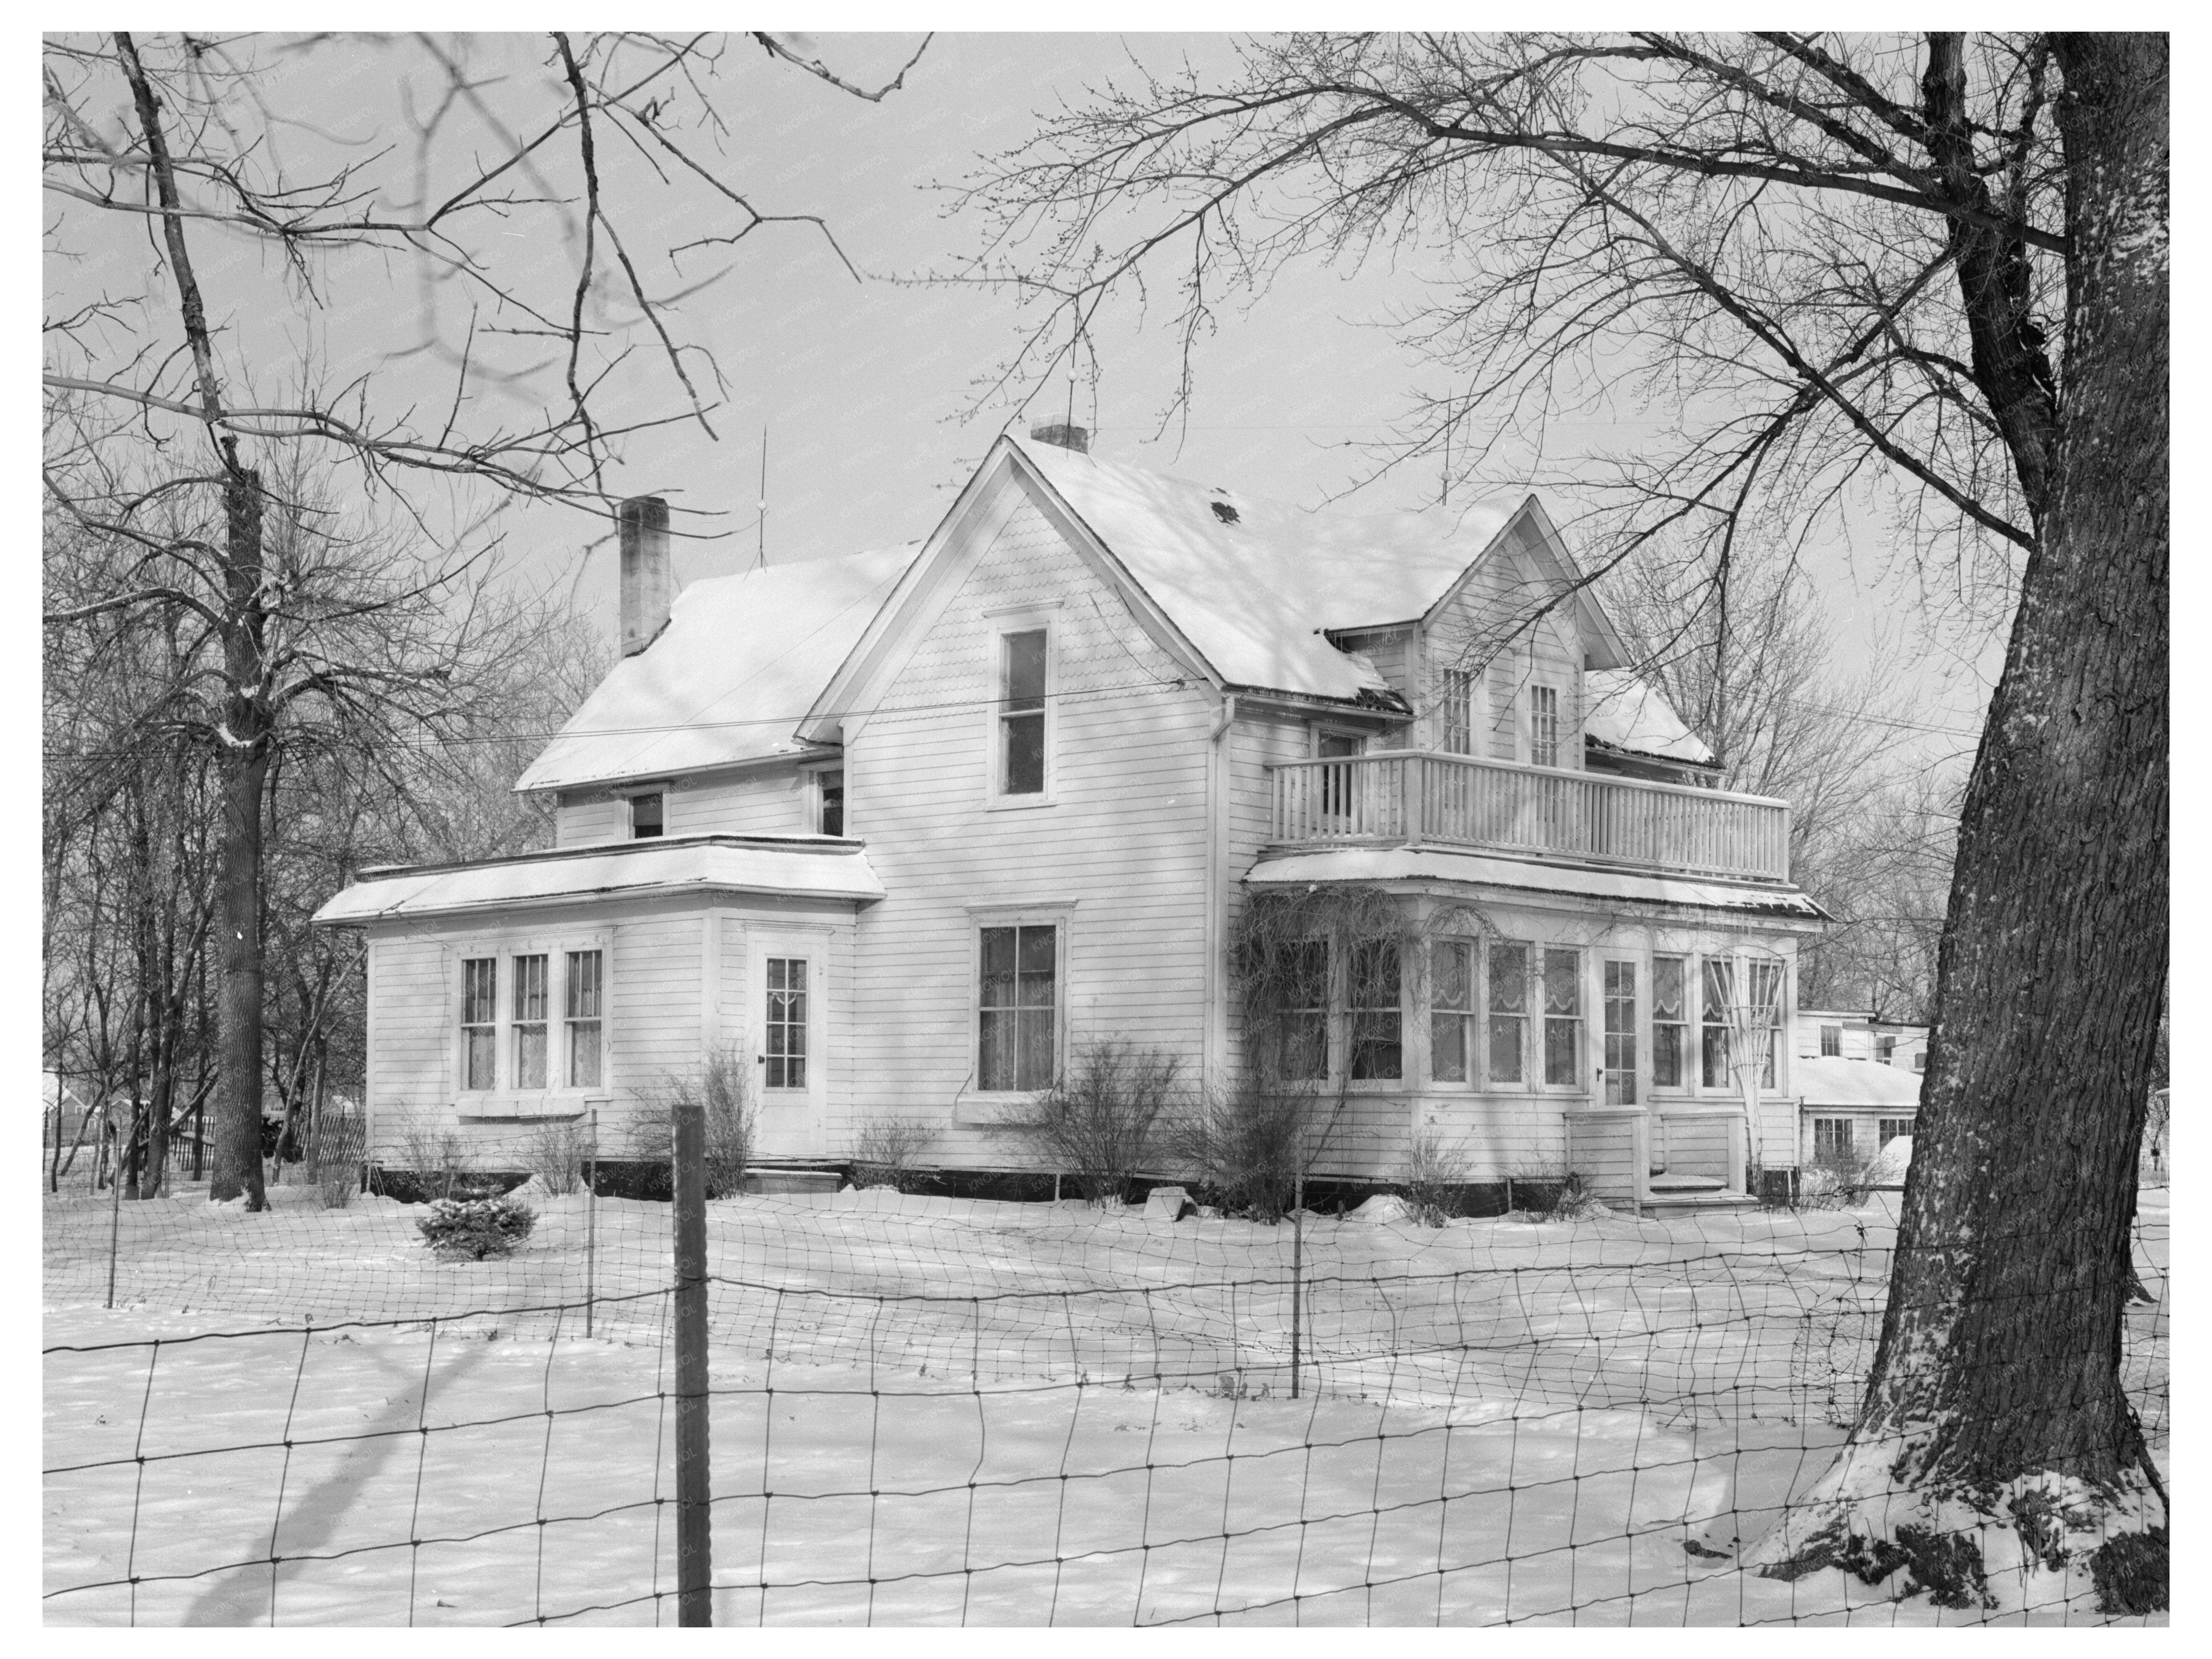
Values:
[(1409, 798)]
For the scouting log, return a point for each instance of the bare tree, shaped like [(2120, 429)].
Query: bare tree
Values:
[(528, 293), (1924, 274)]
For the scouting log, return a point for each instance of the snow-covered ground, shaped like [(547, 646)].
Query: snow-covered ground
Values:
[(929, 1410)]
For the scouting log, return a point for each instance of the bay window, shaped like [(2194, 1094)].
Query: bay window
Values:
[(1563, 1017), (1451, 1011), (530, 1022), (1508, 1009), (1670, 1022), (480, 1022), (1719, 998), (1377, 1037), (1304, 1056)]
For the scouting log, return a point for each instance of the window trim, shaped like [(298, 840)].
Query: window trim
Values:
[(558, 1096), (1060, 917), (1005, 625)]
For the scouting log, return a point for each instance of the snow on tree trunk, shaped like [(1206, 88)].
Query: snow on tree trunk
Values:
[(1998, 1462)]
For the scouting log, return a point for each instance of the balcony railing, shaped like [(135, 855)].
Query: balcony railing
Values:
[(1400, 798)]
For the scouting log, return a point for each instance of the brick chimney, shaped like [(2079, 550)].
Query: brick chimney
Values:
[(1062, 436), (645, 578)]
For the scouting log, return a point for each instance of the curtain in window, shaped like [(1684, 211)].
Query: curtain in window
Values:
[(530, 1010), (1018, 1029), (480, 1022), (583, 1016), (785, 1034), (1508, 1011), (1719, 996), (1563, 1023), (1670, 1022), (1451, 1010)]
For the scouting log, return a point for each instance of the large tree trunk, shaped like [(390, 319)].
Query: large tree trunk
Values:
[(244, 774), (1998, 1462)]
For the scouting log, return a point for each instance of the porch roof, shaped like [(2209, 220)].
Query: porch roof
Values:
[(1387, 864), (804, 866), (1832, 1081)]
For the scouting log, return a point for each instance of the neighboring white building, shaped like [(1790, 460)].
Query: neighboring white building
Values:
[(905, 828)]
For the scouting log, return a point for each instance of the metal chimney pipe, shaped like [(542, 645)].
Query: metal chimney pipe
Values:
[(644, 579)]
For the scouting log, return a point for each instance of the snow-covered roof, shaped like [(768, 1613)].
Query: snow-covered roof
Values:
[(809, 866), (742, 660), (1833, 1082), (1378, 864), (1629, 713), (1254, 593)]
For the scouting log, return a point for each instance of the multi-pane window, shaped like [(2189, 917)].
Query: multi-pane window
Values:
[(1451, 1010), (1832, 1139), (829, 802), (785, 1034), (1563, 1017), (480, 1022), (1890, 1128), (1719, 997), (1377, 1038), (1766, 1016), (1019, 1024), (1619, 1034), (1670, 1022), (1306, 1011), (530, 1011), (1508, 1011), (1459, 711), (1885, 1050), (1832, 1042), (1544, 725), (1022, 670), (644, 820), (585, 1014)]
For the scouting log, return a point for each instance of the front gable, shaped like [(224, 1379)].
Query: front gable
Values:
[(1004, 486)]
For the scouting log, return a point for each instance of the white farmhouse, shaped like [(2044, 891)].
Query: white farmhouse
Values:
[(905, 829)]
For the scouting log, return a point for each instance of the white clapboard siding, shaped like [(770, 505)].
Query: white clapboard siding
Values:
[(1125, 840), (772, 801), (588, 821)]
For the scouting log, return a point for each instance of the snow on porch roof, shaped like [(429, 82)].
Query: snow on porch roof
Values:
[(1373, 864), (1833, 1082), (742, 660), (802, 867), (1629, 713), (1254, 592)]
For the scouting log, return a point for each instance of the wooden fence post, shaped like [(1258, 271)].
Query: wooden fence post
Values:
[(694, 1554)]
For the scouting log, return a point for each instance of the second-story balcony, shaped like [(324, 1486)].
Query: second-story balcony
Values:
[(1398, 797)]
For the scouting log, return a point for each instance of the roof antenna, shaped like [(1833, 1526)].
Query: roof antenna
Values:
[(760, 546)]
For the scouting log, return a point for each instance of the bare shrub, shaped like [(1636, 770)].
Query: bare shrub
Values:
[(722, 1085), (885, 1151), (556, 1155), (1101, 1121), (336, 1147), (1551, 1189), (1248, 1143), (1435, 1183), (440, 1160)]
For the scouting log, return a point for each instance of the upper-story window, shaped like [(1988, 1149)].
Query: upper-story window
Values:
[(644, 821), (1544, 725), (1025, 660), (1832, 1042), (829, 802), (1459, 711)]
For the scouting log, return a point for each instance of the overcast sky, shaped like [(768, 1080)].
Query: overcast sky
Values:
[(868, 389)]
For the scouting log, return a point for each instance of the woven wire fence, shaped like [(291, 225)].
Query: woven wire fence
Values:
[(929, 1410)]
